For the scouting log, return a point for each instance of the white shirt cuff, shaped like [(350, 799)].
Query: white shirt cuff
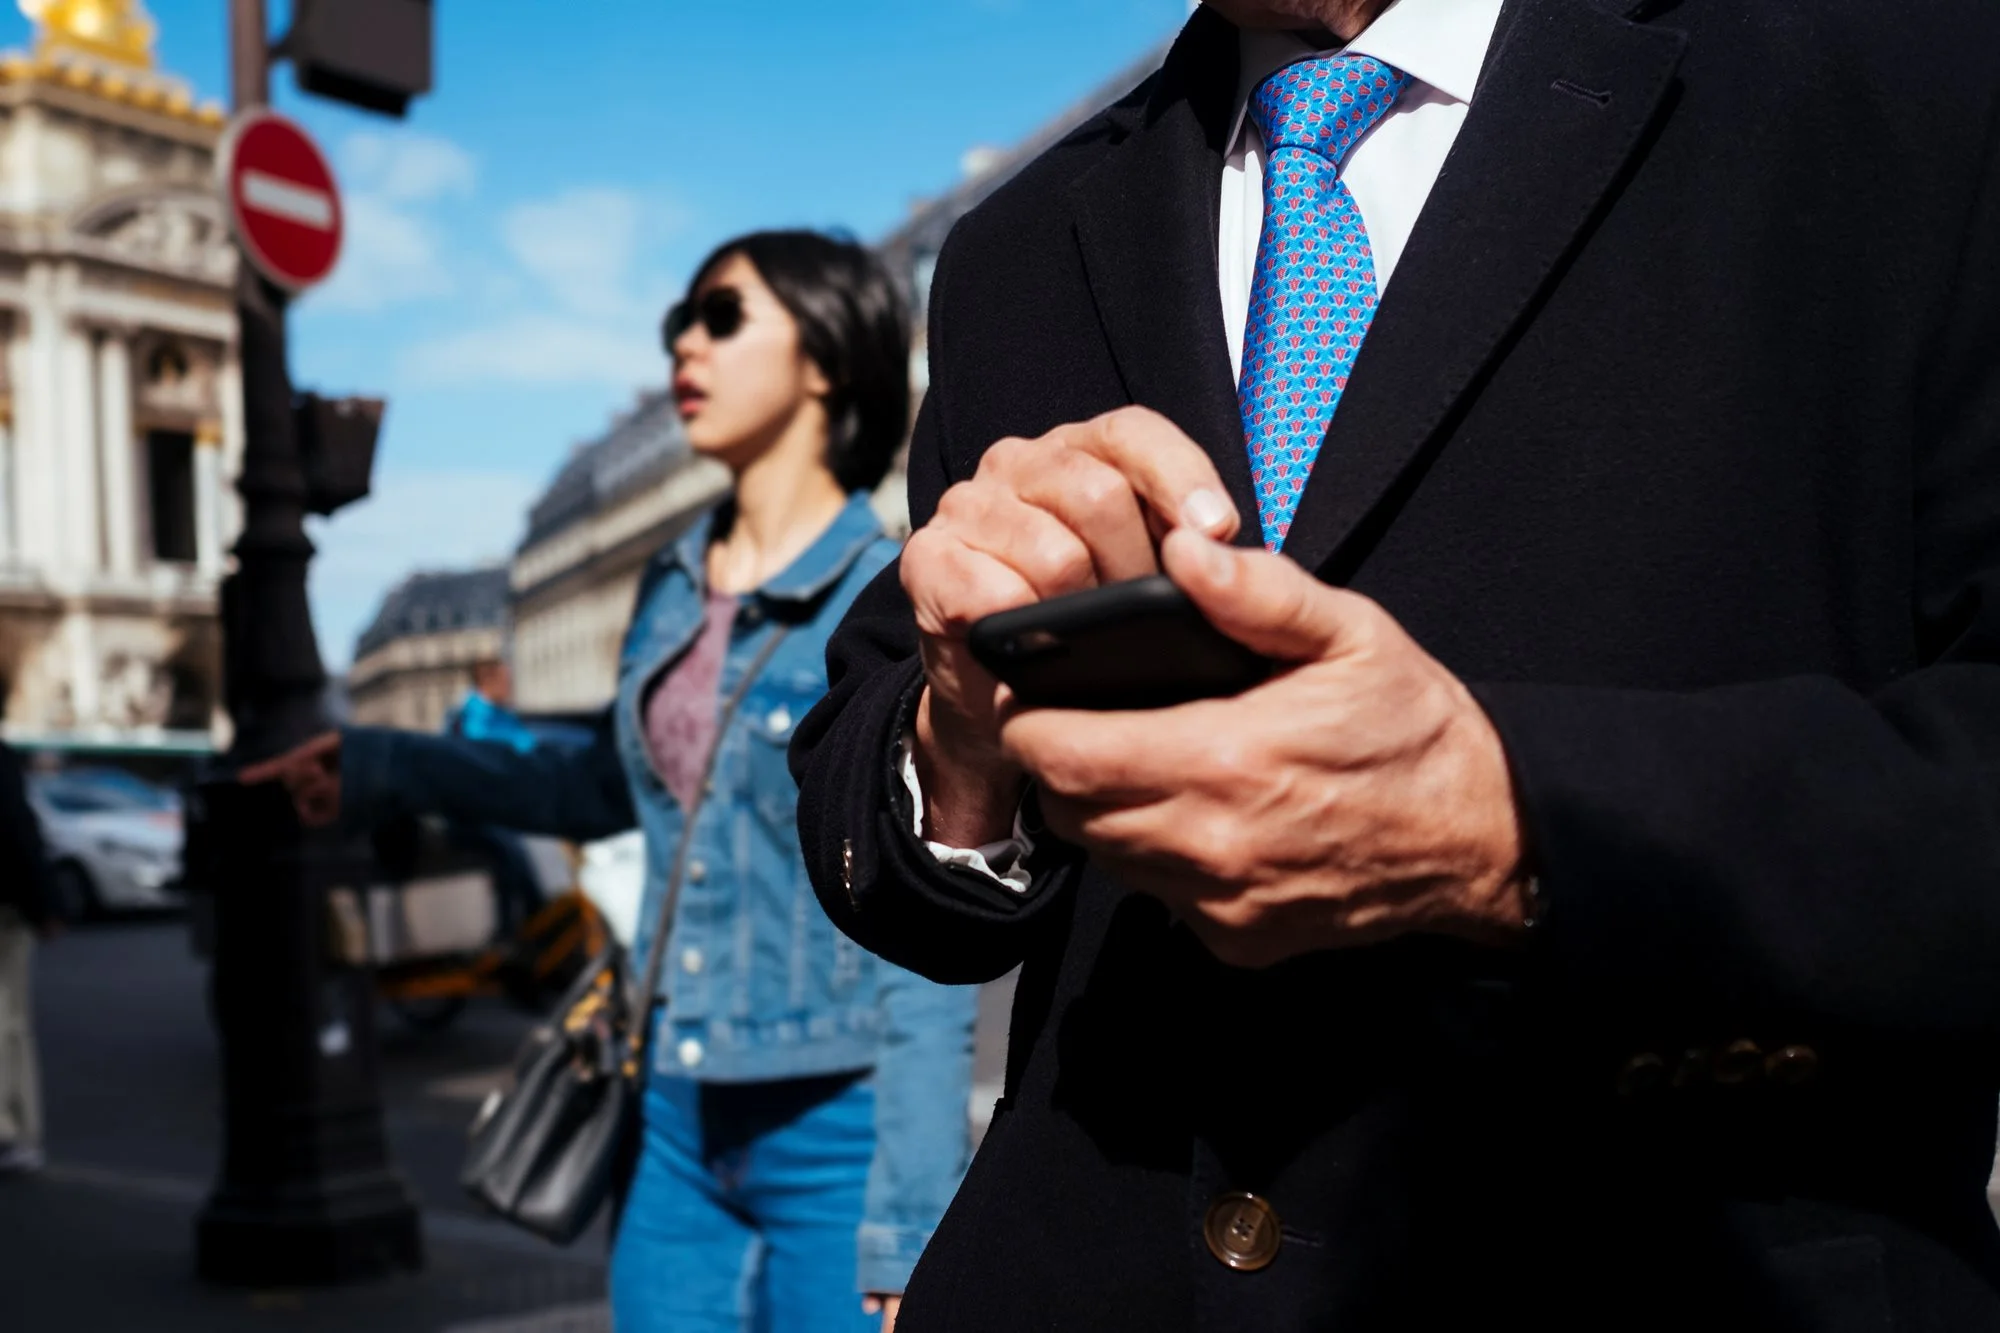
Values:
[(1005, 862)]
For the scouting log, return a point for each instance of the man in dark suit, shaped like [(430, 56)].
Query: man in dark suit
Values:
[(1596, 924)]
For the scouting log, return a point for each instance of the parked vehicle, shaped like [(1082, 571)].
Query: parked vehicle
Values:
[(114, 840)]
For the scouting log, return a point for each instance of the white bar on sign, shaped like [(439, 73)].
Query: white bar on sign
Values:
[(288, 199)]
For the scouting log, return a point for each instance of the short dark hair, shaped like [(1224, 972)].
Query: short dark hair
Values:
[(853, 325)]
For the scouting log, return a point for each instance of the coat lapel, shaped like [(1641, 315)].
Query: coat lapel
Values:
[(1563, 106), (1146, 224)]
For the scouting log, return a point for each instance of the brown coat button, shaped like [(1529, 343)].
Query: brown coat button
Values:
[(1241, 1231), (1790, 1066), (1739, 1062)]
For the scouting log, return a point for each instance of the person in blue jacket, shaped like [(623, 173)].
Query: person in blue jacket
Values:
[(805, 1108), (486, 713)]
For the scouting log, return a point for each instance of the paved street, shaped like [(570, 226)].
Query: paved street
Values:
[(102, 1241)]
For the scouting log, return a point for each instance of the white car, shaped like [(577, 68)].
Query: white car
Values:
[(114, 841)]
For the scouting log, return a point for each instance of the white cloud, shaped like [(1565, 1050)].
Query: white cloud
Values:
[(541, 349), (388, 255), (393, 252), (586, 298), (581, 245), (406, 167), (445, 519)]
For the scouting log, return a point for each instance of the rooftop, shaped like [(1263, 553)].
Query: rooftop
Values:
[(640, 448), (103, 48), (434, 602)]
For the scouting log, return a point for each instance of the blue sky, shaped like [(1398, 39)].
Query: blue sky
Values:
[(512, 243)]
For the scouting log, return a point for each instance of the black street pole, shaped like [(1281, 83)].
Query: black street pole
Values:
[(306, 1193)]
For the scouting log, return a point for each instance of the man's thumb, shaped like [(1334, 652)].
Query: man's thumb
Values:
[(1263, 601)]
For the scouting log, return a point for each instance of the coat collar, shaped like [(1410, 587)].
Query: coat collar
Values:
[(1145, 219), (1563, 108)]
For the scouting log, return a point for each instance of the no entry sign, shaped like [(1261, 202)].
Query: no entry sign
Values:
[(283, 204)]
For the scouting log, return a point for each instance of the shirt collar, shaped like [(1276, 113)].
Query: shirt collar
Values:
[(815, 569), (1441, 43)]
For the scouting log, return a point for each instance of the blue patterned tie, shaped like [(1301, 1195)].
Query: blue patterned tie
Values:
[(1312, 294)]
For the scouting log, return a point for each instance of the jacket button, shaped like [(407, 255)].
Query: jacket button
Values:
[(1739, 1062), (1241, 1231), (1791, 1065), (691, 961), (780, 718), (689, 1052), (697, 872), (1642, 1074)]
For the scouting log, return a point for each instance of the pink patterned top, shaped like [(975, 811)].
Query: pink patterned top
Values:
[(681, 710)]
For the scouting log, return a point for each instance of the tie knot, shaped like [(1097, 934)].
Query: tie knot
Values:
[(1326, 104)]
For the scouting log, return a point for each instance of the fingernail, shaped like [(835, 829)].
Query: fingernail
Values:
[(1206, 509)]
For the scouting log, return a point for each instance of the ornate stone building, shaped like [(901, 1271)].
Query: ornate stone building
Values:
[(414, 663), (120, 430)]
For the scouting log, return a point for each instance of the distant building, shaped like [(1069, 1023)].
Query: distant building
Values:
[(615, 502), (120, 430), (414, 663)]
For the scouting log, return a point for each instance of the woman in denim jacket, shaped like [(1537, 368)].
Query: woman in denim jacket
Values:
[(805, 1110)]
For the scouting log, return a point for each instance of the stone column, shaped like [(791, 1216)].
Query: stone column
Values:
[(229, 399), (76, 444), (208, 498), (32, 368), (115, 453)]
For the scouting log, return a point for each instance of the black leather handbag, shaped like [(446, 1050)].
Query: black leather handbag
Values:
[(546, 1153)]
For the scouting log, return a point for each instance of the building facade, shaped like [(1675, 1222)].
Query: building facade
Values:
[(120, 423), (616, 501), (413, 664)]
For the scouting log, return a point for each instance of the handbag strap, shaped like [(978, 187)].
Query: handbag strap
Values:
[(656, 953)]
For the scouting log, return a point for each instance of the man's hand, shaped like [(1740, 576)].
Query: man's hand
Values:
[(1083, 505), (311, 774), (886, 1306), (1359, 795)]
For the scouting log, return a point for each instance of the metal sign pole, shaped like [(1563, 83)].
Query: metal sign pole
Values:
[(306, 1192)]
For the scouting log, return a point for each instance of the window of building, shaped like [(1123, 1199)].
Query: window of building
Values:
[(170, 486)]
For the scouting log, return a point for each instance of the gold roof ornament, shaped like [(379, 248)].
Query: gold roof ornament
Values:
[(117, 31), (104, 48)]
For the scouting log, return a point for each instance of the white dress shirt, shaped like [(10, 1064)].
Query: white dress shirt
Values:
[(1441, 45)]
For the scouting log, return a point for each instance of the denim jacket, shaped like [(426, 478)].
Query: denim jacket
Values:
[(758, 983)]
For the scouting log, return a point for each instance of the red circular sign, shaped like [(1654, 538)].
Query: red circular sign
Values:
[(283, 204)]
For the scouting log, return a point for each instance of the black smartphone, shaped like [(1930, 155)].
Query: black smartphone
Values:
[(1138, 644)]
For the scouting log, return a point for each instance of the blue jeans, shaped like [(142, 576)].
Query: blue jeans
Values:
[(742, 1211)]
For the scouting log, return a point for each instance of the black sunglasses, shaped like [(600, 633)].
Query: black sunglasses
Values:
[(719, 310)]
